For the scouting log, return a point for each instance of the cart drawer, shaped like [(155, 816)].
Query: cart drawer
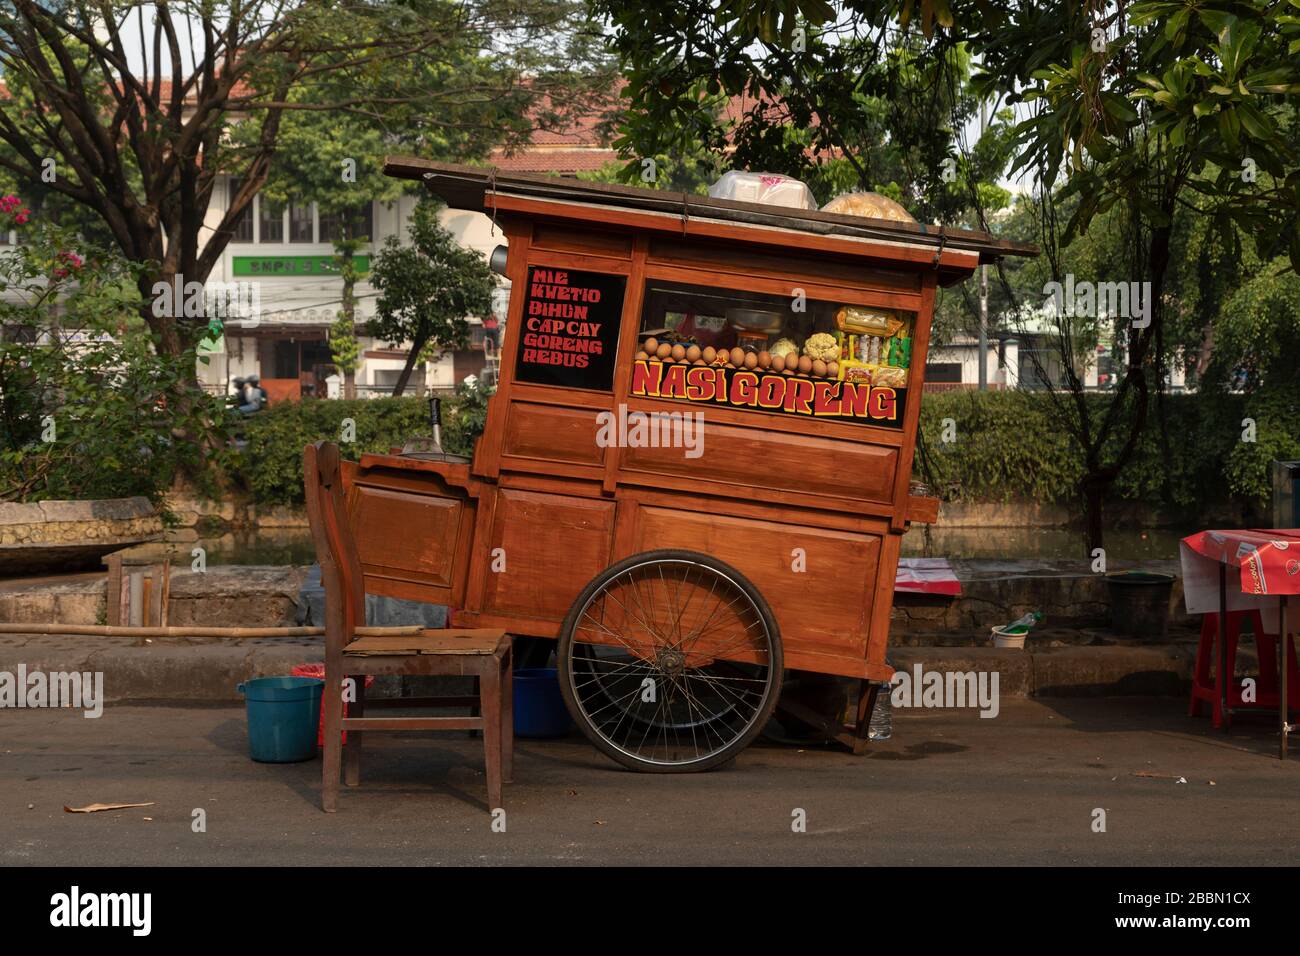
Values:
[(757, 458), (552, 433)]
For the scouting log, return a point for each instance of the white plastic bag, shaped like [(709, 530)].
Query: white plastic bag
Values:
[(770, 188)]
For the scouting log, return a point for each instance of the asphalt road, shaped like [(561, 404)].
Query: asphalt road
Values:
[(950, 788)]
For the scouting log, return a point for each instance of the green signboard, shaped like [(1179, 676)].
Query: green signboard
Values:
[(292, 265)]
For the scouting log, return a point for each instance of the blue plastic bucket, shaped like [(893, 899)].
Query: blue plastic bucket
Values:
[(539, 708), (283, 715)]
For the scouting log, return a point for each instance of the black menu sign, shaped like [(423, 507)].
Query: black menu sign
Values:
[(570, 328)]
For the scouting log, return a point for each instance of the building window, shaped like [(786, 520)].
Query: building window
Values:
[(300, 224), (270, 226), (242, 231), (359, 220), (947, 372)]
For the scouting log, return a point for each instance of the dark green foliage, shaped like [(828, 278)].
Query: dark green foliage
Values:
[(271, 466), (1007, 448)]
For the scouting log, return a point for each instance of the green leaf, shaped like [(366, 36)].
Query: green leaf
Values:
[(1230, 128), (1255, 122), (1177, 23)]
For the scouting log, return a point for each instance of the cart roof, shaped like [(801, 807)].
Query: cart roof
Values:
[(465, 187)]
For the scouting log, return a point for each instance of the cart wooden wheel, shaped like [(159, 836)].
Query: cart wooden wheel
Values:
[(670, 662)]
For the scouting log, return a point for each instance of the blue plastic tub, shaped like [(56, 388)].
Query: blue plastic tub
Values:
[(539, 708), (283, 716)]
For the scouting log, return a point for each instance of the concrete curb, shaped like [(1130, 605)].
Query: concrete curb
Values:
[(1158, 670), (209, 672)]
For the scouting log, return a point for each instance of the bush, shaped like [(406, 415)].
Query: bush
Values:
[(1009, 446), (271, 464), (88, 407)]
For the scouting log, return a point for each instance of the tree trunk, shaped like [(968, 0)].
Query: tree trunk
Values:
[(1094, 497), (349, 384), (416, 348)]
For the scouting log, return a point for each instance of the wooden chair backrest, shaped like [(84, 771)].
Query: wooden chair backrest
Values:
[(340, 568)]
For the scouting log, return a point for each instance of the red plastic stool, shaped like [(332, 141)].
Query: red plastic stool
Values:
[(1207, 690)]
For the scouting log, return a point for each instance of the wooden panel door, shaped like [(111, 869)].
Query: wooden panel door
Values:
[(545, 549), (412, 545)]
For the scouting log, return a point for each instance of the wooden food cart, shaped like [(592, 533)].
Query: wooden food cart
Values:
[(681, 572)]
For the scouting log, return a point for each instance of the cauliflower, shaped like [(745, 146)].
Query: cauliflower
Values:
[(783, 347), (822, 345)]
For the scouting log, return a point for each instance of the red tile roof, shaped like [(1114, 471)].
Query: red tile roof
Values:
[(553, 160)]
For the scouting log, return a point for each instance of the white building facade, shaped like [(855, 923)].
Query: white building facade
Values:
[(285, 255)]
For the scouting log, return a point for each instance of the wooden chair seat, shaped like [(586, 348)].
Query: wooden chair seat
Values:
[(484, 655), (429, 642)]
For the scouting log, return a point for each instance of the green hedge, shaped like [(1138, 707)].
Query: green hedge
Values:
[(270, 467), (1009, 446)]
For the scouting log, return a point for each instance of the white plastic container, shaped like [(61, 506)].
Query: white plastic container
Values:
[(1003, 639), (770, 188)]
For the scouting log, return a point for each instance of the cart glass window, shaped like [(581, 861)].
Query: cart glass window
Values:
[(570, 328), (775, 354)]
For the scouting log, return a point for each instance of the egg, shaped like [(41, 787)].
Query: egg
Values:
[(642, 357), (693, 354), (651, 345), (819, 368), (664, 350), (805, 365), (709, 354), (679, 352), (751, 360), (778, 363), (764, 359), (698, 361), (833, 369), (737, 356)]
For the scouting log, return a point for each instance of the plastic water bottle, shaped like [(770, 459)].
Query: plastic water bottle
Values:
[(881, 724), (1022, 625)]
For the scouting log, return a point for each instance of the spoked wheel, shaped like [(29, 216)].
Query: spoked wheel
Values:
[(670, 662)]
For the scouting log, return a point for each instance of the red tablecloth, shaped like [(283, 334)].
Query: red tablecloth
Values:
[(926, 576), (1262, 563)]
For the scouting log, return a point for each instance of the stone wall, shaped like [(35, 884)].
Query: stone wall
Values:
[(71, 535)]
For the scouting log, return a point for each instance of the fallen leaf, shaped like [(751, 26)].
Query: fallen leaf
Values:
[(1161, 776), (96, 807), (1182, 779), (148, 819)]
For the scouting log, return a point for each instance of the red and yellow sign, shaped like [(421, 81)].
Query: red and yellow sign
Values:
[(754, 388)]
